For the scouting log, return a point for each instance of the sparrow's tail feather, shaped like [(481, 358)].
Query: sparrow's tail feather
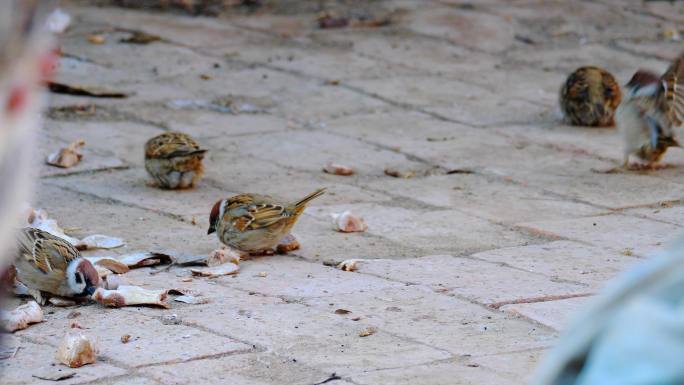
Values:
[(302, 202)]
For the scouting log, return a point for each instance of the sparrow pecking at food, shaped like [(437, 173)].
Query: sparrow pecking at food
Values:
[(255, 223), (590, 97), (653, 107), (174, 160), (47, 264)]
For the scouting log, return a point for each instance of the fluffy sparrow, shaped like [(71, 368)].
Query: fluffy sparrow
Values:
[(174, 160), (255, 223), (47, 264), (653, 107), (589, 97)]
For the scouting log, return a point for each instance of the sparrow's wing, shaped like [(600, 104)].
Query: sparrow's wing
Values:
[(172, 145), (248, 213), (671, 95), (44, 251)]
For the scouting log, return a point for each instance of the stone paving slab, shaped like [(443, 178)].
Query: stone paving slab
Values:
[(553, 314), (36, 358), (152, 342), (478, 281), (610, 231), (567, 260)]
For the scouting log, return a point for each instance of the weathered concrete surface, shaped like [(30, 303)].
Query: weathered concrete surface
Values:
[(471, 275)]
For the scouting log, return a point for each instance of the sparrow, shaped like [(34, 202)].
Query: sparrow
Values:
[(590, 97), (47, 264), (653, 107), (255, 223), (174, 160)]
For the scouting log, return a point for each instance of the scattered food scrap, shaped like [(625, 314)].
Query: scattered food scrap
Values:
[(191, 299), (347, 222), (58, 21), (66, 89), (96, 38), (61, 301), (125, 338), (349, 264), (287, 244), (128, 295), (21, 317), (216, 271), (67, 157), (99, 241), (221, 256), (369, 331), (338, 169), (76, 350)]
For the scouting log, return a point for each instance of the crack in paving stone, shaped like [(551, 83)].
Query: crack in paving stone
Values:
[(544, 298)]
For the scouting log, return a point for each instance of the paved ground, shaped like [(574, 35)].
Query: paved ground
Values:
[(475, 273)]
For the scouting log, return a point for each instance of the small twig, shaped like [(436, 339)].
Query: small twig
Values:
[(332, 377)]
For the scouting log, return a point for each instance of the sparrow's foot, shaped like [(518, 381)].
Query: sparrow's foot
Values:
[(38, 296), (287, 244)]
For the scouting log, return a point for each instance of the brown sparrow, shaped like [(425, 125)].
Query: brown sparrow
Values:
[(255, 223), (47, 264), (589, 97), (653, 107), (174, 160)]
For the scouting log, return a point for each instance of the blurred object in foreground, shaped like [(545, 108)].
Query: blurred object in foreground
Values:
[(632, 334), (25, 62)]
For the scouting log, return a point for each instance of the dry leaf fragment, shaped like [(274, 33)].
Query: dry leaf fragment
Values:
[(342, 311), (338, 169), (357, 318), (125, 338), (287, 244), (111, 264), (21, 317), (139, 37), (368, 331), (68, 156), (327, 20), (144, 259), (347, 222), (128, 295), (400, 174), (94, 92), (76, 350), (216, 271)]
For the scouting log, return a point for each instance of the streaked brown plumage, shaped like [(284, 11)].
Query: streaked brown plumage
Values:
[(50, 265), (174, 160), (651, 110), (590, 97), (255, 223)]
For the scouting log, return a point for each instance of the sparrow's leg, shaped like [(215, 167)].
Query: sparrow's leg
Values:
[(38, 296)]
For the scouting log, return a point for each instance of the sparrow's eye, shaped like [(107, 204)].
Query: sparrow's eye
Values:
[(79, 277)]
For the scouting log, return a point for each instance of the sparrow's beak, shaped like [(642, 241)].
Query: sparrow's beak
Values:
[(212, 229), (90, 290)]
